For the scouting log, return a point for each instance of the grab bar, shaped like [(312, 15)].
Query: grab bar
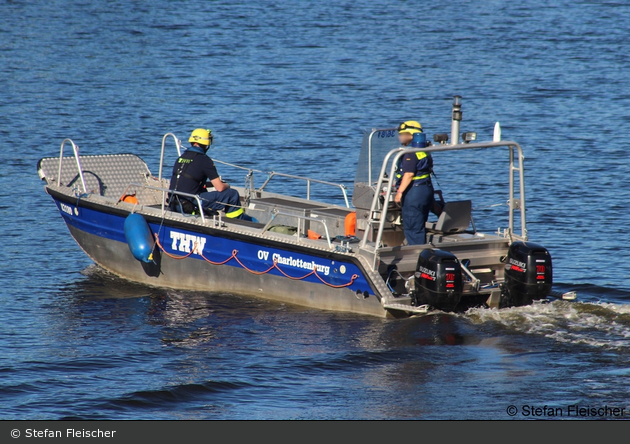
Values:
[(75, 149), (164, 191)]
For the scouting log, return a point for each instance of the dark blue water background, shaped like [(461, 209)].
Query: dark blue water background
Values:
[(290, 86)]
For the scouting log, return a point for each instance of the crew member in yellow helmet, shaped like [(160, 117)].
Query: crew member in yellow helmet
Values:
[(194, 172), (415, 190)]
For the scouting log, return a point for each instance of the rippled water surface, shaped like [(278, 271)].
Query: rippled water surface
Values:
[(290, 86)]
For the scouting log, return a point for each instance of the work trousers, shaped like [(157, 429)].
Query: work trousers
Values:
[(416, 204), (227, 200)]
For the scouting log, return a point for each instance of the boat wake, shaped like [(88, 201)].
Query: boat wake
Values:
[(605, 325), (601, 324)]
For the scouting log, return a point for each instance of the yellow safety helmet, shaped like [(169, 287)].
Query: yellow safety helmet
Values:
[(201, 136), (410, 126)]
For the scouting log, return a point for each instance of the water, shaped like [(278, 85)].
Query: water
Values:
[(289, 87)]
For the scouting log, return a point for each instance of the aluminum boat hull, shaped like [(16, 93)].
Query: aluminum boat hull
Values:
[(100, 235)]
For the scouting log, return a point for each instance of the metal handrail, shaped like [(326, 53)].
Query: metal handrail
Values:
[(399, 152), (270, 174), (314, 219), (379, 184), (238, 166), (75, 149), (249, 178), (308, 184), (164, 191), (178, 144), (196, 197)]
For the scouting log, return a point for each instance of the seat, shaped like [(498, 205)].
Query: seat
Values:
[(184, 206), (455, 218)]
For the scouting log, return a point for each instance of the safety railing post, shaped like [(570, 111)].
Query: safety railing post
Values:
[(75, 150), (177, 145)]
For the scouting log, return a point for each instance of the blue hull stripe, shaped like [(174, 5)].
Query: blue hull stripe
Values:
[(181, 242)]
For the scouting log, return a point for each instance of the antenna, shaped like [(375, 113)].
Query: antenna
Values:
[(457, 117)]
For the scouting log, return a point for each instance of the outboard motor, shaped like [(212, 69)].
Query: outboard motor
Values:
[(528, 273), (438, 280)]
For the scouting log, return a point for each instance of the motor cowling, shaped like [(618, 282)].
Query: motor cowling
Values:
[(438, 280), (528, 273)]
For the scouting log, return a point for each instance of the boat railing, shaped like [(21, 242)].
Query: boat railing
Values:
[(178, 145), (275, 213), (164, 192), (75, 149), (249, 178), (309, 181), (395, 155)]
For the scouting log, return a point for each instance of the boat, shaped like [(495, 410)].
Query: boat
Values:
[(349, 257)]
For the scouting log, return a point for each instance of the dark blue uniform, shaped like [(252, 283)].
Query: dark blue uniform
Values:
[(191, 172), (417, 199)]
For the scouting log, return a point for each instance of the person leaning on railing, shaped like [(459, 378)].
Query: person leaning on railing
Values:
[(415, 189), (191, 172)]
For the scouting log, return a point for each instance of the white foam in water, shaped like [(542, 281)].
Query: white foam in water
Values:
[(603, 325)]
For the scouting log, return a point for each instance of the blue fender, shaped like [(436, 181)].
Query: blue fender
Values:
[(139, 237)]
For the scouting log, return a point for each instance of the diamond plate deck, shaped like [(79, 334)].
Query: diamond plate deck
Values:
[(105, 175)]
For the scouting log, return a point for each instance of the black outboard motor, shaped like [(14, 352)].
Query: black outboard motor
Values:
[(528, 274), (438, 280)]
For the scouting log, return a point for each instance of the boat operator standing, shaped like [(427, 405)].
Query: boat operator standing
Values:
[(415, 190), (190, 173)]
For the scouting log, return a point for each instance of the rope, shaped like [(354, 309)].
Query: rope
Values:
[(252, 271), (172, 256), (217, 263), (354, 276), (352, 279), (274, 265)]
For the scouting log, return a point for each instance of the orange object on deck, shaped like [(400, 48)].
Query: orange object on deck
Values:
[(130, 199), (313, 235), (351, 224)]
